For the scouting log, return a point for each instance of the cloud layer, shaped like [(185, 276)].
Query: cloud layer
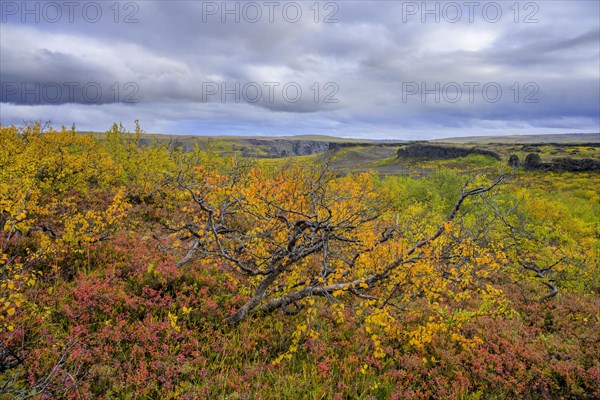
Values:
[(398, 70)]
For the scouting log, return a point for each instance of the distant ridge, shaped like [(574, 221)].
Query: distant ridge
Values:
[(338, 142), (551, 138)]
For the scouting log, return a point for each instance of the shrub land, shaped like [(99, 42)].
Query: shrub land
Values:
[(133, 270)]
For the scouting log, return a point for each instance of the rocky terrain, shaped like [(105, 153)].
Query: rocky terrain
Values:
[(534, 162), (438, 152), (280, 147)]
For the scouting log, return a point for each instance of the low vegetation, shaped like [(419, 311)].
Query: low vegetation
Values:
[(145, 271)]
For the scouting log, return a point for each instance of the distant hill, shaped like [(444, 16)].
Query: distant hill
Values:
[(363, 151), (554, 138)]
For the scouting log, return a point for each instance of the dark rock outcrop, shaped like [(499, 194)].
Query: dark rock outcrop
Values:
[(533, 162), (513, 160), (275, 148), (343, 145), (430, 151), (286, 148), (576, 165)]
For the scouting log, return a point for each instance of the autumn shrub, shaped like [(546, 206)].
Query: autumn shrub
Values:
[(122, 266)]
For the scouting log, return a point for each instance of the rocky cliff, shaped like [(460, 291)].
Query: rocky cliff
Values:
[(281, 147), (437, 152)]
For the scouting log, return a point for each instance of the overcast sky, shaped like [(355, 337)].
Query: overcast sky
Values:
[(384, 70)]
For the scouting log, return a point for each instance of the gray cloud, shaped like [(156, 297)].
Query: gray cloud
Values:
[(179, 69)]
